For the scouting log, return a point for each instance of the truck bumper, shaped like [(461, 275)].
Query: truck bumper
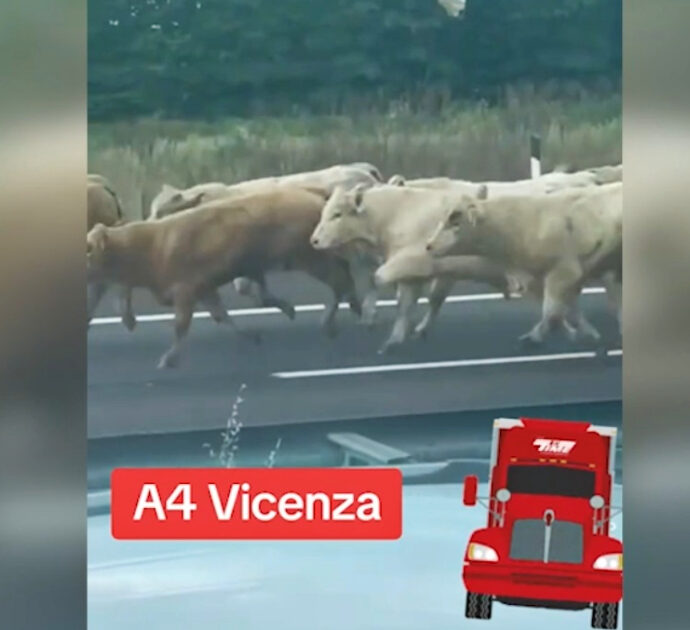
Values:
[(539, 584)]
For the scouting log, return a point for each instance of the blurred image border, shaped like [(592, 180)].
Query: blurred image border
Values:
[(656, 431), (43, 321), (43, 330)]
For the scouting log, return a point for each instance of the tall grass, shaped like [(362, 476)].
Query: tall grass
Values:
[(469, 141)]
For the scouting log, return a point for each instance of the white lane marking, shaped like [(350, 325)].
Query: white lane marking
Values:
[(312, 308), (436, 365)]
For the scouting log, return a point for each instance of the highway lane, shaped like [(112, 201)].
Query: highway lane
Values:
[(470, 361)]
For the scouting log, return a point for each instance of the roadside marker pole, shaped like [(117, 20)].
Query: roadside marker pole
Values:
[(535, 155)]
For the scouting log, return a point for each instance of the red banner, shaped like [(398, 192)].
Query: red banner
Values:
[(256, 503)]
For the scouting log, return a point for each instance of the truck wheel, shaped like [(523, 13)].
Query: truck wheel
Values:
[(605, 616), (478, 606)]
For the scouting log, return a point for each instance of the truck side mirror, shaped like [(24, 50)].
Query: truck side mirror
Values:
[(469, 490)]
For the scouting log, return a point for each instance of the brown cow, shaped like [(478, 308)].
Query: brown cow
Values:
[(103, 206), (186, 257)]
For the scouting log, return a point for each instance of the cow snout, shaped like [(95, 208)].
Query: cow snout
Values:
[(429, 246), (314, 241)]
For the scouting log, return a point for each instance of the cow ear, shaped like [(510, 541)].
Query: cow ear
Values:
[(167, 188), (197, 199), (483, 192), (100, 237), (396, 180), (358, 196)]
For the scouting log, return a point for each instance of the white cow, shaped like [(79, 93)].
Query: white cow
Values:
[(171, 199), (547, 183), (392, 225), (560, 240), (411, 217)]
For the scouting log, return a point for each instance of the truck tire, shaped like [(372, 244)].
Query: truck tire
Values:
[(478, 606), (605, 616)]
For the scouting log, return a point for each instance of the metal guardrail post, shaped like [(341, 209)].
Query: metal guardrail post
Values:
[(535, 155)]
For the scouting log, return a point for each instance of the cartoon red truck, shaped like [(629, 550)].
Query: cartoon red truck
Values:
[(546, 542)]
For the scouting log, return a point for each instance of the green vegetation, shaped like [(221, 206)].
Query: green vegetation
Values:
[(468, 140), (213, 59)]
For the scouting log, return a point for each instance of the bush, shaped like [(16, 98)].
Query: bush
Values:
[(470, 141)]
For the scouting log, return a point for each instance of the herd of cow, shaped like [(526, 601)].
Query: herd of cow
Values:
[(541, 238)]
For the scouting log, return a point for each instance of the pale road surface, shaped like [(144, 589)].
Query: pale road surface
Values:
[(409, 584)]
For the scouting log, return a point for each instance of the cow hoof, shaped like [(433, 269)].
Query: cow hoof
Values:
[(356, 309), (530, 339), (290, 312), (369, 324), (422, 334), (572, 334), (130, 323), (388, 348), (168, 362)]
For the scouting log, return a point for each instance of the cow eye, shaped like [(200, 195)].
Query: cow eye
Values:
[(337, 215)]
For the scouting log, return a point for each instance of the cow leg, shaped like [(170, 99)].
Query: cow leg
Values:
[(408, 294), (213, 302), (336, 274), (94, 293), (614, 293), (362, 275), (577, 324), (124, 300), (256, 289), (440, 289), (561, 288), (184, 307), (369, 305)]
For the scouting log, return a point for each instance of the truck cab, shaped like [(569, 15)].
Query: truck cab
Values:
[(547, 539)]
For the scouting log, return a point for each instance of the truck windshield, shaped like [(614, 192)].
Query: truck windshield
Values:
[(565, 482)]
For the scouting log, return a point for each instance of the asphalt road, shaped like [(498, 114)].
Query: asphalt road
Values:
[(471, 360), (408, 584)]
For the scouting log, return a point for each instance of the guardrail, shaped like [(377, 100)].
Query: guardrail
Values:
[(357, 447)]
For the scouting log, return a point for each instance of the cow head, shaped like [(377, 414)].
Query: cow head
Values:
[(171, 200), (343, 219), (459, 223), (96, 250)]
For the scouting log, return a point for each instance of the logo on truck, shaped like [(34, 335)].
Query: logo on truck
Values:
[(562, 447)]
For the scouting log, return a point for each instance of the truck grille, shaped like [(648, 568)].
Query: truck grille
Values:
[(528, 538)]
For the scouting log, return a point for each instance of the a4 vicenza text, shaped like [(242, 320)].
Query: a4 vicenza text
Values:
[(302, 503)]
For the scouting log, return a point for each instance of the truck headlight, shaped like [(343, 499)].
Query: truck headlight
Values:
[(609, 562), (482, 552)]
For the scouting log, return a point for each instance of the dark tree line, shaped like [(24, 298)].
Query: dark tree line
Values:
[(209, 58)]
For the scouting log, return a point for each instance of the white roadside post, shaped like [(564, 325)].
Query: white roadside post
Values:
[(454, 8), (535, 155)]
